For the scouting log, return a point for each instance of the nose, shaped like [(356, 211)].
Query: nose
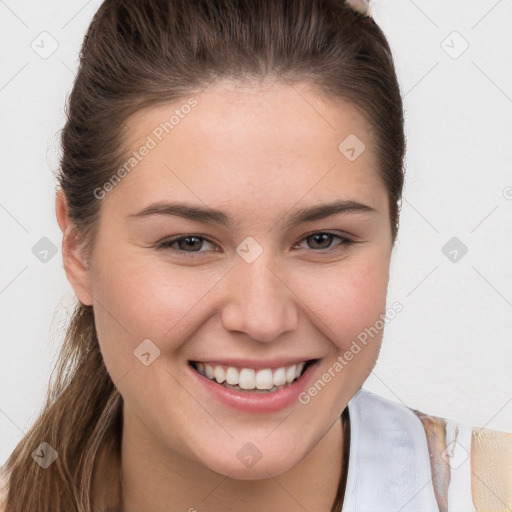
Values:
[(261, 302)]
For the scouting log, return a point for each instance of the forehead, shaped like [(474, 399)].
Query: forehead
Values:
[(273, 143)]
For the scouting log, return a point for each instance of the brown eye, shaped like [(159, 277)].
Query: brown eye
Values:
[(319, 240), (322, 240), (185, 245), (190, 242)]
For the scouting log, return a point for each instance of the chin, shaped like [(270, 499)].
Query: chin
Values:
[(249, 463), (260, 471)]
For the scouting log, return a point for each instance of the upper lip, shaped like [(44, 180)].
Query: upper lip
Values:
[(276, 362)]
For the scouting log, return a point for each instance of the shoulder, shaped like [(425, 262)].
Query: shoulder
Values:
[(470, 466)]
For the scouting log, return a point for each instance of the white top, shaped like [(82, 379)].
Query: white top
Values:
[(389, 463)]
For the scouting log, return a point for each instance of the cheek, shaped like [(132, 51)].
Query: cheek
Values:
[(152, 299), (348, 299), (350, 306)]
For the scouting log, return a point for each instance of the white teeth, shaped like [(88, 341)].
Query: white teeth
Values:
[(209, 371), (231, 376), (290, 373), (264, 379), (219, 374), (251, 379), (279, 377), (247, 378)]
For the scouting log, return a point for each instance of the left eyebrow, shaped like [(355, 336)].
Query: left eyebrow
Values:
[(313, 213), (214, 216)]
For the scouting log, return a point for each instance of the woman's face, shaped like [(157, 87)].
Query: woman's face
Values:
[(258, 284)]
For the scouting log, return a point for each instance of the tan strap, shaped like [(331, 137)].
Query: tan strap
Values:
[(491, 464), (435, 430)]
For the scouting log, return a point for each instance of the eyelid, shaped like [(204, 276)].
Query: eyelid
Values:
[(334, 232)]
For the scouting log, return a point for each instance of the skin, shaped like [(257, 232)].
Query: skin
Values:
[(257, 153)]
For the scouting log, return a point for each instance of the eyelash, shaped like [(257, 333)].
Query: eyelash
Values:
[(345, 242)]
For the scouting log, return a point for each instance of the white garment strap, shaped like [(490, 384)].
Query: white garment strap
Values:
[(389, 462), (458, 455)]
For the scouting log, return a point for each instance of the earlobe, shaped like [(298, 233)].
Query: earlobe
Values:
[(75, 267)]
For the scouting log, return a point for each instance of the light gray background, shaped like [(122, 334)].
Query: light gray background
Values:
[(449, 352)]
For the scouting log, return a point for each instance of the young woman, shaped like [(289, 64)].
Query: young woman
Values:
[(229, 195)]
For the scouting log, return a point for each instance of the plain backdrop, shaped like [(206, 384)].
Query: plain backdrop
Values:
[(448, 352)]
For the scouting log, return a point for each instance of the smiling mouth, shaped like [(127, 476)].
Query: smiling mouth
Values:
[(263, 380)]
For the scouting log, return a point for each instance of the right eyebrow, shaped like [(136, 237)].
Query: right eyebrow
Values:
[(186, 211)]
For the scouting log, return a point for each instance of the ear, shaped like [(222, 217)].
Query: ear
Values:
[(76, 268)]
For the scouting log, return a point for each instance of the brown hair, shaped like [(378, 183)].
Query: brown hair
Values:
[(137, 54)]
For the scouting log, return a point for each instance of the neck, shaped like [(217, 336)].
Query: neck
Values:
[(156, 479)]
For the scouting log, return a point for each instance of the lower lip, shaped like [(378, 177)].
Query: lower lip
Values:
[(253, 401)]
